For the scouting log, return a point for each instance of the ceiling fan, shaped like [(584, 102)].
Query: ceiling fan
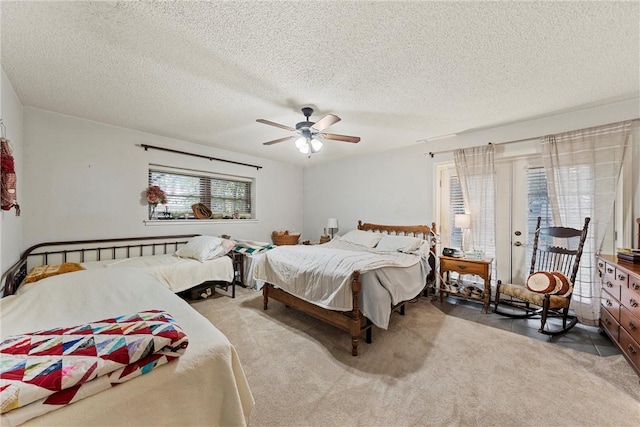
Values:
[(309, 135)]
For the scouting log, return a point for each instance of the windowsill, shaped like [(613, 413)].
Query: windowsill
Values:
[(154, 222)]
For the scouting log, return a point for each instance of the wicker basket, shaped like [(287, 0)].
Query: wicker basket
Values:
[(285, 239)]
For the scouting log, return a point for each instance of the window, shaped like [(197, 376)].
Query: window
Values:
[(228, 198), (456, 206)]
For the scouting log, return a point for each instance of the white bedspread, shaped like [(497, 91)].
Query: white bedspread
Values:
[(205, 386), (178, 274), (321, 274)]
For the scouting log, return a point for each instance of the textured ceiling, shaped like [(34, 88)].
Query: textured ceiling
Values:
[(395, 72)]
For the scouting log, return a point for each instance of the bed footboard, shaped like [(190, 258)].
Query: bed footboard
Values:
[(350, 321)]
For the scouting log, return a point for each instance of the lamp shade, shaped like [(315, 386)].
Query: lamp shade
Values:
[(316, 145), (332, 223), (300, 143), (462, 221)]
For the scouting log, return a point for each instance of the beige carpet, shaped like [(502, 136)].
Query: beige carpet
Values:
[(428, 369)]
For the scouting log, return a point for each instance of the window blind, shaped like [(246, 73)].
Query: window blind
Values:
[(537, 206), (227, 198), (456, 206)]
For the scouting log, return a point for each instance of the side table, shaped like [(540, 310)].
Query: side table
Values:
[(479, 267)]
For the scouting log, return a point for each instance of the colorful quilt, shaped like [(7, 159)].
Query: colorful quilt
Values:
[(252, 250), (45, 370)]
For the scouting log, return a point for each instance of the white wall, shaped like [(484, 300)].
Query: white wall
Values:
[(84, 180), (394, 187), (398, 187), (10, 224)]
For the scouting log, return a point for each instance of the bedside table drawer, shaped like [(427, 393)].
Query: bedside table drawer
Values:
[(463, 265)]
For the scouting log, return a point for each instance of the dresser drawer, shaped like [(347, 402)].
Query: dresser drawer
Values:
[(630, 323), (630, 347), (634, 284), (611, 304), (609, 281), (630, 300), (608, 323), (621, 278)]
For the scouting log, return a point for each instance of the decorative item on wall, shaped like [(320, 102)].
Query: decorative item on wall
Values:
[(154, 195), (9, 179)]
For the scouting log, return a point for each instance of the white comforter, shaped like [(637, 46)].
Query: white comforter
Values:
[(205, 386), (321, 274), (178, 274)]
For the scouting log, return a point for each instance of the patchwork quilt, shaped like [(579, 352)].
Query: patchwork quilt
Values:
[(250, 247), (44, 370)]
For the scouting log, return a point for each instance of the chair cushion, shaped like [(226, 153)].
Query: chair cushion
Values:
[(543, 282), (566, 287), (524, 294)]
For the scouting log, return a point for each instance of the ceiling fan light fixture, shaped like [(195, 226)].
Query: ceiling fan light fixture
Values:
[(301, 144), (316, 145), (311, 137)]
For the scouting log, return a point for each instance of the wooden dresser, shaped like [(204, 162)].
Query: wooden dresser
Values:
[(620, 305)]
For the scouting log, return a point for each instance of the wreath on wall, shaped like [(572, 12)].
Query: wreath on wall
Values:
[(8, 178)]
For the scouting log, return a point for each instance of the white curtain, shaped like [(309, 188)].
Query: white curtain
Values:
[(476, 172), (582, 170)]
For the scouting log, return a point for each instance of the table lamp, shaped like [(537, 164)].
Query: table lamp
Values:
[(332, 226), (463, 222)]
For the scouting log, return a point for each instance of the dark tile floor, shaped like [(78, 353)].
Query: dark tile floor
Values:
[(582, 338)]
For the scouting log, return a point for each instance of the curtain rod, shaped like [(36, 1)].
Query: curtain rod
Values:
[(146, 147), (432, 153)]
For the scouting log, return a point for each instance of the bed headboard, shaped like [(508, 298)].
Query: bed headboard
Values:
[(87, 250), (422, 231)]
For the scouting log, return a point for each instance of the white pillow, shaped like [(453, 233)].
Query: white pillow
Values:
[(392, 243), (202, 248), (362, 238)]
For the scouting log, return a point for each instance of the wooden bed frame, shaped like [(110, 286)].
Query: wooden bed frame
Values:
[(92, 250), (351, 321)]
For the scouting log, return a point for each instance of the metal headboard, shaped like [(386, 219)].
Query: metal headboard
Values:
[(87, 250)]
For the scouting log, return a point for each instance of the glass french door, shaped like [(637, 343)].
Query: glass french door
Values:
[(520, 198)]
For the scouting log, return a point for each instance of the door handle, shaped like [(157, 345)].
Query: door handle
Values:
[(517, 243)]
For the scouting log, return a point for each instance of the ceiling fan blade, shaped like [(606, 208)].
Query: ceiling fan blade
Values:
[(345, 138), (278, 125), (325, 122), (275, 141)]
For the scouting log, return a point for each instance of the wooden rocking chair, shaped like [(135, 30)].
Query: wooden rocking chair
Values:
[(551, 302)]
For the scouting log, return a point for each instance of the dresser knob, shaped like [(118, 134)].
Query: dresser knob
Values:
[(631, 349), (609, 285), (607, 322), (609, 270), (632, 326), (621, 277), (608, 303), (633, 303), (635, 286)]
